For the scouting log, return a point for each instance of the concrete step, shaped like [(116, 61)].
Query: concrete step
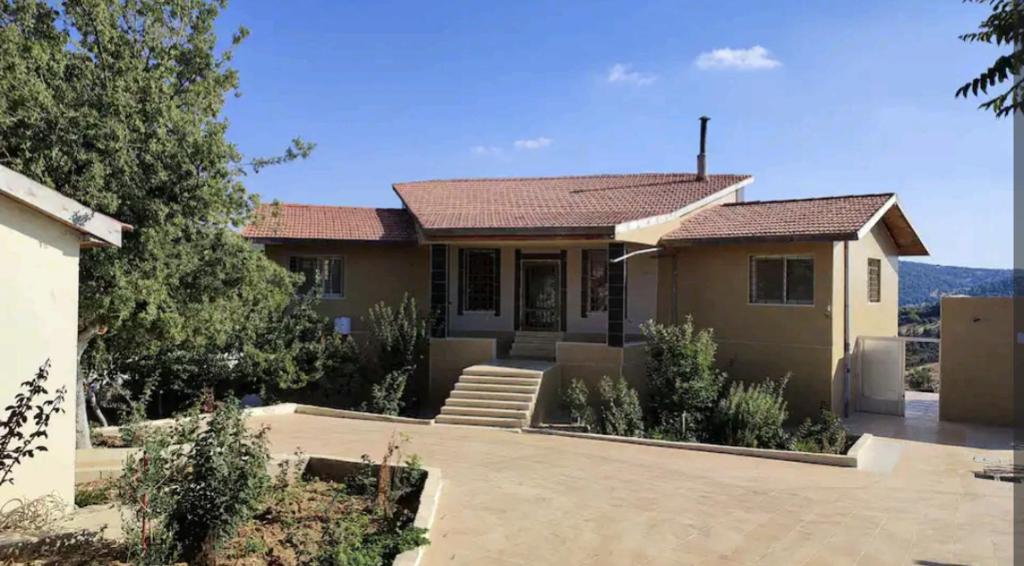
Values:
[(491, 395), (487, 404), (495, 388), (478, 421), (500, 380), (502, 371), (536, 340), (483, 412), (538, 351), (538, 334)]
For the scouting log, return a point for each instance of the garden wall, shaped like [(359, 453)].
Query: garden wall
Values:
[(976, 360)]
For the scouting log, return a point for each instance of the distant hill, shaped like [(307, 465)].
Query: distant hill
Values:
[(922, 283)]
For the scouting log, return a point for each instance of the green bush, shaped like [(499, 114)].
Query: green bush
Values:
[(920, 379), (824, 434), (752, 415), (225, 484), (398, 341), (684, 384), (577, 400), (619, 413)]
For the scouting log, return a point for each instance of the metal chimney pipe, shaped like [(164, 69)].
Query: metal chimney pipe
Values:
[(702, 160)]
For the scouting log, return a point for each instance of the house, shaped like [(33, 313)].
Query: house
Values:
[(41, 235), (564, 270)]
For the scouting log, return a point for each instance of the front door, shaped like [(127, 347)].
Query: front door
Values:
[(541, 309)]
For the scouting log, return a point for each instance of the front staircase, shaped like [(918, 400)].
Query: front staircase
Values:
[(535, 345), (501, 393)]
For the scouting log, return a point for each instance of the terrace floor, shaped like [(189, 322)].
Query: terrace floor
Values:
[(511, 498)]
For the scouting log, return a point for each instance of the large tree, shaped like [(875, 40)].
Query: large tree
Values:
[(118, 104), (1003, 27)]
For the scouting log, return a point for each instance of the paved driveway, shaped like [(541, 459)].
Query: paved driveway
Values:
[(512, 498)]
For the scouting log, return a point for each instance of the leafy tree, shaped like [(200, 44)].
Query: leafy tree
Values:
[(15, 444), (684, 384), (1004, 26), (118, 104)]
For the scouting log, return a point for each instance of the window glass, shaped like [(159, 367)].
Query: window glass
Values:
[(334, 277), (329, 271), (799, 281), (479, 285), (766, 279), (874, 280), (597, 281)]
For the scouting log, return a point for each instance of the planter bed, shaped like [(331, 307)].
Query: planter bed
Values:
[(851, 459)]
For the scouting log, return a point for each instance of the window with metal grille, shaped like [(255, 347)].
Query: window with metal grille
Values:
[(874, 280), (329, 271), (595, 280), (782, 280), (480, 279)]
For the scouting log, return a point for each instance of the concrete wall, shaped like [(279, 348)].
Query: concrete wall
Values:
[(39, 321), (976, 364), (590, 363), (758, 341), (373, 272), (448, 357)]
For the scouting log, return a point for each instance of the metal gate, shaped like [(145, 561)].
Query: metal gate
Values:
[(881, 362)]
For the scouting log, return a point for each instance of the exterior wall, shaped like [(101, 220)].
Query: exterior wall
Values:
[(867, 318), (448, 357), (373, 272), (758, 341), (976, 364), (39, 322), (591, 362), (641, 273)]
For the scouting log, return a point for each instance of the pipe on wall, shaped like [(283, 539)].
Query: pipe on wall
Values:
[(846, 329)]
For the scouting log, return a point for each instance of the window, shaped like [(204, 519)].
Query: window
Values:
[(782, 280), (874, 280), (480, 279), (329, 270), (595, 281)]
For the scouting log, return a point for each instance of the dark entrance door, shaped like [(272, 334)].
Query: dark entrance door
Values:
[(541, 309)]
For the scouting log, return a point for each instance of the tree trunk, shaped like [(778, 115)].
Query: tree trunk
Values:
[(82, 436), (95, 406)]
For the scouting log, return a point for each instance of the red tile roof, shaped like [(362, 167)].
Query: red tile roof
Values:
[(597, 201), (829, 218), (311, 222)]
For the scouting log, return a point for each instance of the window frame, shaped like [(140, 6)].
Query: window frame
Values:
[(878, 273), (785, 284), (323, 259), (590, 280), (464, 287)]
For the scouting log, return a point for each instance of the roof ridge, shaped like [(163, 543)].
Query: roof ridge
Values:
[(301, 205), (806, 199), (567, 177)]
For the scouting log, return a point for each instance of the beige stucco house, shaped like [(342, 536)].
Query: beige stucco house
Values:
[(41, 234), (552, 277)]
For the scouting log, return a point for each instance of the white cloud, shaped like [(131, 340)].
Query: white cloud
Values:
[(622, 73), (755, 58), (485, 150), (535, 143)]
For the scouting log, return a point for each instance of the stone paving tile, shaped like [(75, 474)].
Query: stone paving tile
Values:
[(538, 500)]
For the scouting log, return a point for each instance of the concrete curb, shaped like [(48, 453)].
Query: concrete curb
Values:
[(848, 460)]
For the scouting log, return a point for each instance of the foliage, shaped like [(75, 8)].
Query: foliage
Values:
[(920, 379), (119, 106), (224, 485), (752, 415), (17, 443), (619, 412), (925, 284), (1004, 26), (684, 385), (95, 493), (398, 340), (577, 400), (825, 434)]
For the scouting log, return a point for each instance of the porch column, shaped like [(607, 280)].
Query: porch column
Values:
[(616, 295), (439, 290)]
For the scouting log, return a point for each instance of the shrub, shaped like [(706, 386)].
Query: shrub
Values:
[(398, 341), (752, 415), (15, 444), (386, 395), (684, 383), (619, 413), (225, 484), (824, 434), (920, 379), (577, 400)]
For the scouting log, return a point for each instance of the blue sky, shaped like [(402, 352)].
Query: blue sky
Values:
[(842, 97)]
